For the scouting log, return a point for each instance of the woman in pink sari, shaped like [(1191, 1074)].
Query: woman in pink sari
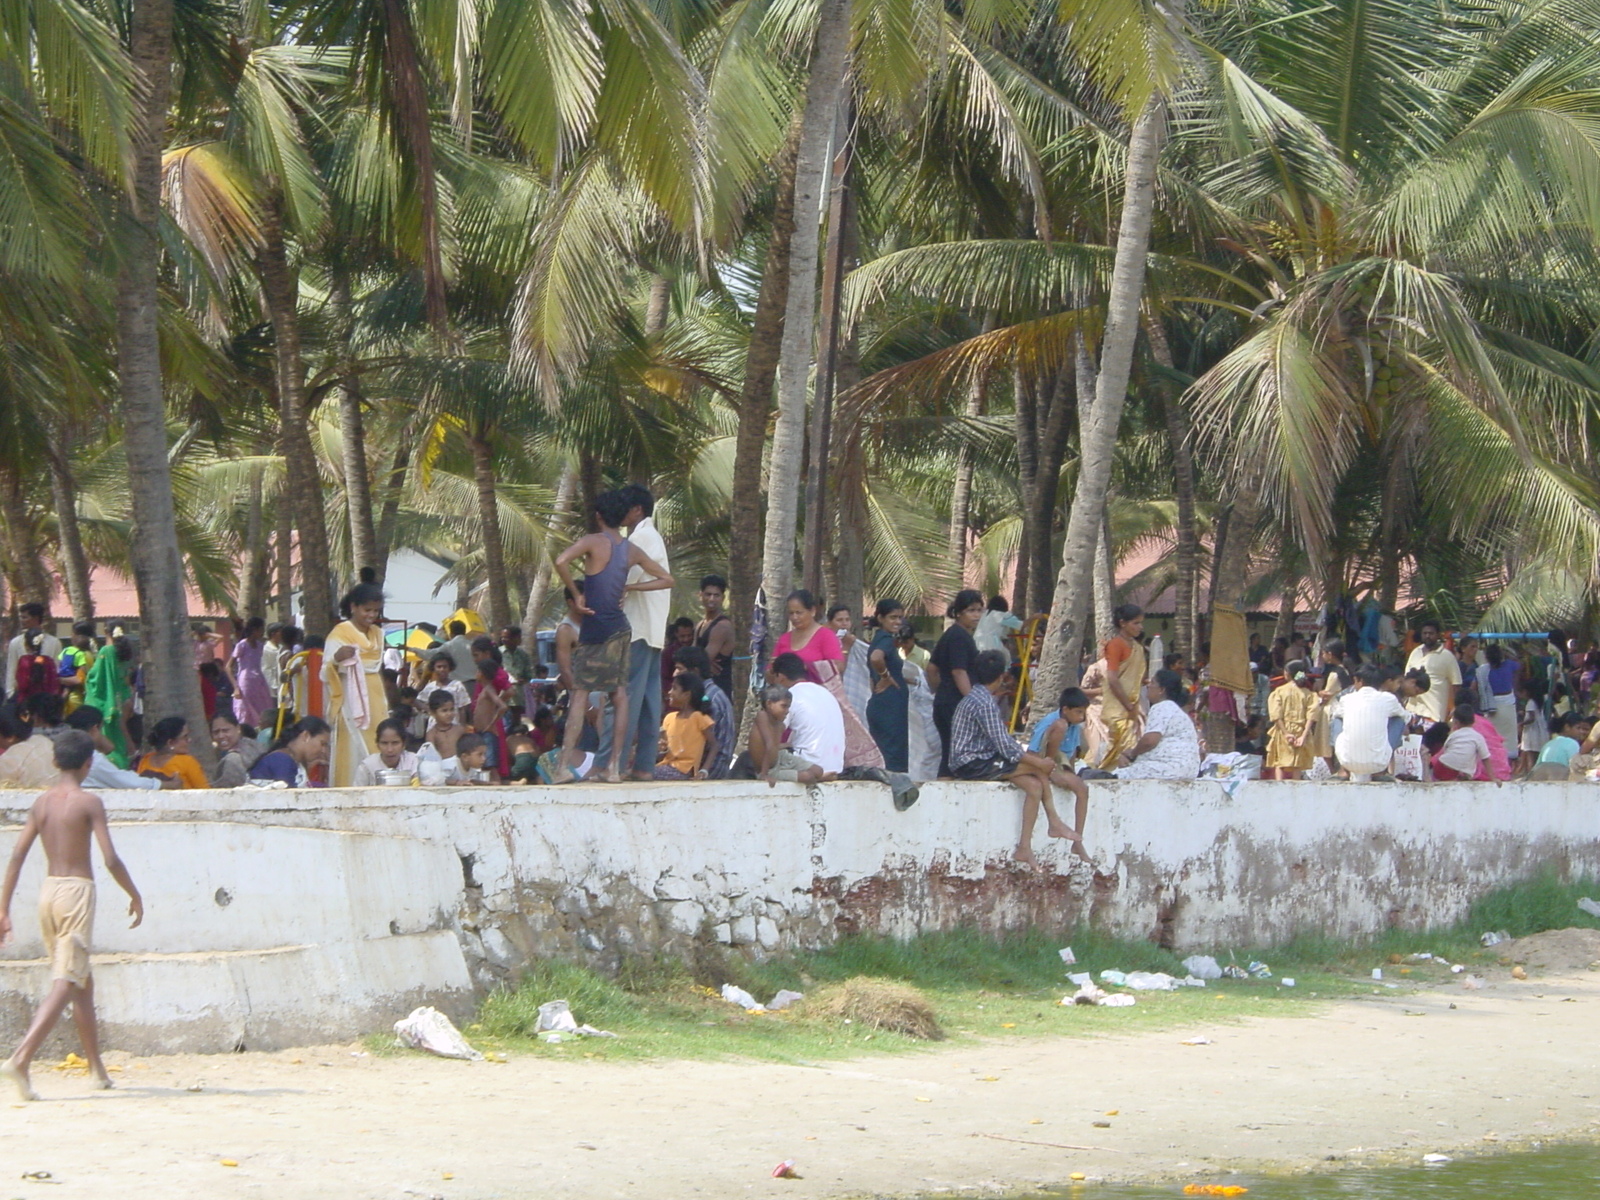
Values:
[(819, 648)]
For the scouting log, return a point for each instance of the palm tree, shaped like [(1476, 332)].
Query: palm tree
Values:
[(171, 685), (1425, 261)]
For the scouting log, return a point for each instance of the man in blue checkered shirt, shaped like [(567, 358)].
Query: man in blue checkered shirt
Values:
[(982, 748)]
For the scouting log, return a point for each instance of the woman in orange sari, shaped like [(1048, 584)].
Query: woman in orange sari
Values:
[(1125, 671)]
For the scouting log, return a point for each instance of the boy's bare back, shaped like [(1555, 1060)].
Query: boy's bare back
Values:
[(67, 819)]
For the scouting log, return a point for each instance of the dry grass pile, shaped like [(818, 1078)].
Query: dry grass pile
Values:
[(876, 1004)]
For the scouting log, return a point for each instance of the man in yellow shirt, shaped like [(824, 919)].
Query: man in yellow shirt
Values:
[(1444, 675)]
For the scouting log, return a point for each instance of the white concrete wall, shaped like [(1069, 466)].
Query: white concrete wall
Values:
[(362, 892), (256, 935)]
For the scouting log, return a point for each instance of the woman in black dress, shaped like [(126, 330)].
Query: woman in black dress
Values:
[(886, 711), (950, 667)]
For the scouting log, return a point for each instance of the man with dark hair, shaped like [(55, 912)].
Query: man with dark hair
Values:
[(680, 635), (1367, 713), (32, 617), (519, 665), (646, 611), (1444, 674), (982, 748), (459, 648), (600, 658), (65, 818), (103, 773), (815, 751), (723, 726), (29, 763), (714, 634)]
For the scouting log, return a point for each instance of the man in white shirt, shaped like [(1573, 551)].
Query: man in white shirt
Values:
[(105, 775), (32, 616), (815, 722), (1444, 675), (1363, 744), (647, 614)]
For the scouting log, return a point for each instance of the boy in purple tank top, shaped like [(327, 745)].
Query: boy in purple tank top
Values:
[(600, 659)]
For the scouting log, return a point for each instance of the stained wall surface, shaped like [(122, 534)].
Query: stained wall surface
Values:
[(279, 917)]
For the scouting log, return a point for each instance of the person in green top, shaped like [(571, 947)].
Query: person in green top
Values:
[(77, 658), (106, 687)]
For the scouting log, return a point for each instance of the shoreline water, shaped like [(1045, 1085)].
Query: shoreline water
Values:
[(1358, 1082)]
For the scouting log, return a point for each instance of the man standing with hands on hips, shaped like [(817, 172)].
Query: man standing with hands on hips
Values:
[(647, 613)]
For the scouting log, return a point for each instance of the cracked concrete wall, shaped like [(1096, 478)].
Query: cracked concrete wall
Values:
[(599, 874)]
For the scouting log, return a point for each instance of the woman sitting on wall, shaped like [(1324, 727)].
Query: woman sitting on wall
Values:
[(1169, 748), (301, 746), (169, 757)]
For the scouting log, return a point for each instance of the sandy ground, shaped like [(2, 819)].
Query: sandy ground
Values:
[(1357, 1081)]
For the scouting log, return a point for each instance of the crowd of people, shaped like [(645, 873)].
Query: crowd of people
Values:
[(634, 694), (1413, 706)]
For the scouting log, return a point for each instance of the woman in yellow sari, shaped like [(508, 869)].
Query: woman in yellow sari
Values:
[(356, 700), (1125, 665)]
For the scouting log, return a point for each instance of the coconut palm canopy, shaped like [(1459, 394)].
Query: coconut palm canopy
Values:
[(878, 295)]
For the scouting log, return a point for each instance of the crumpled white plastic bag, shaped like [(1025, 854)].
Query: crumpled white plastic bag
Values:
[(555, 1019), (734, 994), (429, 1029)]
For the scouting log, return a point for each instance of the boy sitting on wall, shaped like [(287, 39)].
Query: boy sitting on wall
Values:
[(982, 748)]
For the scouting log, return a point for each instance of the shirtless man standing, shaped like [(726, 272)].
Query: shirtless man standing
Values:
[(64, 817)]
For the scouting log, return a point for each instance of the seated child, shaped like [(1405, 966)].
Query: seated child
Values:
[(689, 731), (1059, 736), (524, 759), (982, 748), (544, 730), (444, 734), (472, 759), (440, 680), (392, 755), (1464, 751), (405, 711)]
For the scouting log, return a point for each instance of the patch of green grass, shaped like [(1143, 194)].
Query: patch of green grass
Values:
[(982, 986)]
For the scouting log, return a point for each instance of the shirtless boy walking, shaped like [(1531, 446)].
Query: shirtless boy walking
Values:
[(64, 818)]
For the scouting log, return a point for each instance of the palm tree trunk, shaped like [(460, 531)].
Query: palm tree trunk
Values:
[(1054, 432), (755, 405), (74, 561), (494, 551), (1028, 404), (171, 685), (655, 311), (828, 62), (1188, 543), (257, 556), (847, 492), (961, 496), (280, 290), (1064, 637), (838, 251), (285, 560), (565, 491), (22, 546), (389, 514), (1105, 585), (353, 433), (1230, 564)]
